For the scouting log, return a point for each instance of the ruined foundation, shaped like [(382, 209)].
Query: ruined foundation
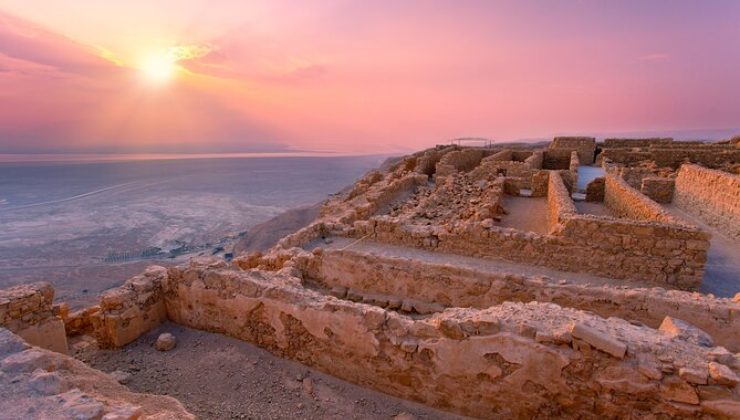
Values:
[(409, 283)]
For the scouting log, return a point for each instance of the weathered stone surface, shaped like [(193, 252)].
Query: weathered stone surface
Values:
[(599, 340), (682, 330), (37, 383), (722, 374)]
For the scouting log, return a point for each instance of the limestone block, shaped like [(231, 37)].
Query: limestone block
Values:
[(599, 340)]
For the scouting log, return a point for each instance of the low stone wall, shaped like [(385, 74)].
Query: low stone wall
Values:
[(453, 286), (584, 146), (712, 155), (713, 196), (555, 159), (131, 310), (658, 189), (626, 201), (559, 203), (27, 310), (514, 360), (628, 143), (459, 160), (595, 190)]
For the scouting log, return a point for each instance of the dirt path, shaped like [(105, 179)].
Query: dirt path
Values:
[(218, 377)]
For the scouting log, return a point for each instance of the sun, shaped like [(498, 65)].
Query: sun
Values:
[(158, 69)]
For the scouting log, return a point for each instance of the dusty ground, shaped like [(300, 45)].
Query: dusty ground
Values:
[(525, 213), (217, 377)]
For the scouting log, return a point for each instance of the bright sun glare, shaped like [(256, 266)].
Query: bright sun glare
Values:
[(159, 69)]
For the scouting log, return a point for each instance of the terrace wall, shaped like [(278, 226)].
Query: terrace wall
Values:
[(27, 310), (454, 286), (712, 195)]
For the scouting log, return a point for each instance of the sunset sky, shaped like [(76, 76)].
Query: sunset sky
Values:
[(351, 76)]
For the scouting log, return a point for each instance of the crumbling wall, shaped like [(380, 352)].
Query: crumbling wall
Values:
[(131, 310), (584, 146), (366, 276), (712, 195), (658, 189), (27, 310), (514, 360), (459, 160)]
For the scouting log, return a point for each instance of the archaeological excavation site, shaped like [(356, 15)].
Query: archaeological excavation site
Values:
[(575, 279)]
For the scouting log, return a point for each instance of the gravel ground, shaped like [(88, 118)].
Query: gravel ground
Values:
[(218, 377)]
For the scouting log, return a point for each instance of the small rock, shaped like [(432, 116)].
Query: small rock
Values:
[(165, 342), (722, 374), (404, 416)]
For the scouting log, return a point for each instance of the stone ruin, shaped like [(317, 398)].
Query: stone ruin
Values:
[(422, 281)]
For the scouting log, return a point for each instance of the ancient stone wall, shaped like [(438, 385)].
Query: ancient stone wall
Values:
[(624, 249), (626, 201), (535, 161), (551, 361), (585, 146), (595, 190), (354, 274), (556, 159), (711, 155), (629, 143), (713, 196), (129, 311), (27, 310), (459, 160), (658, 189), (559, 203)]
